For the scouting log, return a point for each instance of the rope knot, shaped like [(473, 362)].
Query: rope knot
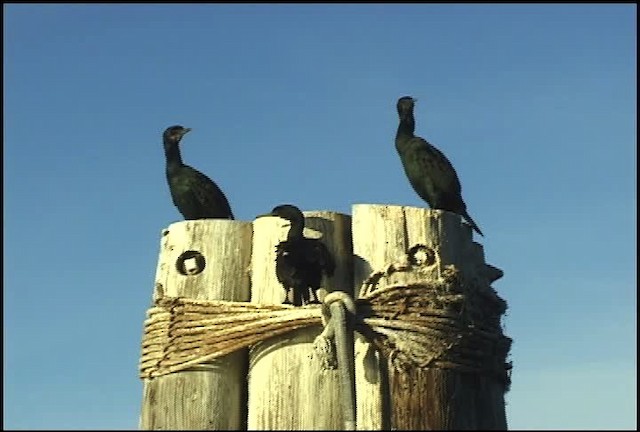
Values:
[(334, 297), (334, 348), (414, 318), (323, 344)]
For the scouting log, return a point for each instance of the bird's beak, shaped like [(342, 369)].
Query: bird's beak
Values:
[(414, 100), (264, 215), (185, 130)]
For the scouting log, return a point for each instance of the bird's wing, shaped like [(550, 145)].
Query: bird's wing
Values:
[(209, 194), (292, 269), (438, 167), (281, 249), (317, 252)]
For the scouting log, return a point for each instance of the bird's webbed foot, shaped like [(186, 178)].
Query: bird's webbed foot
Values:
[(305, 298), (288, 296), (294, 297)]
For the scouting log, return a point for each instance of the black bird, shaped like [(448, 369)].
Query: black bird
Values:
[(300, 261), (194, 194), (429, 171)]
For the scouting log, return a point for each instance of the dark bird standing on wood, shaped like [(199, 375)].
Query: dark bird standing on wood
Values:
[(194, 194), (300, 261), (429, 171)]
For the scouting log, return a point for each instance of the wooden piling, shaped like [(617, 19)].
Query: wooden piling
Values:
[(289, 389), (422, 398), (290, 384), (206, 260)]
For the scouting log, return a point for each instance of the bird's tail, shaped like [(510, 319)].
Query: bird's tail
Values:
[(472, 223)]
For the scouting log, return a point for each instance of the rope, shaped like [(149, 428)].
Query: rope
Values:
[(339, 328), (447, 323), (180, 333)]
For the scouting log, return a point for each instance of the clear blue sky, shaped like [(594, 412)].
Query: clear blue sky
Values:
[(535, 105)]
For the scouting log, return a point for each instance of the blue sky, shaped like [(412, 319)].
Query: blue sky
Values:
[(535, 105)]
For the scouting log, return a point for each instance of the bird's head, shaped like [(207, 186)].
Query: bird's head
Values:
[(286, 211), (173, 134), (405, 105)]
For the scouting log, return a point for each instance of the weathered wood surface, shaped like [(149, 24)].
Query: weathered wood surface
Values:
[(288, 387), (211, 396), (430, 398)]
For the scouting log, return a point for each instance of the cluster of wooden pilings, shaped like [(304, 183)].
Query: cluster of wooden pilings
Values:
[(276, 384)]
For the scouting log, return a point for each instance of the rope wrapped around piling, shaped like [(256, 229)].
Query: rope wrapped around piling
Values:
[(427, 324)]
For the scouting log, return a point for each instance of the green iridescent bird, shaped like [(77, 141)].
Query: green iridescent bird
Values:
[(194, 194), (429, 171)]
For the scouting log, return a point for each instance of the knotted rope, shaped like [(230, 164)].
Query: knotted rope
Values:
[(339, 328), (441, 324)]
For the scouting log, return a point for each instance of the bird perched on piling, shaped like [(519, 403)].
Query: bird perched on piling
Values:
[(194, 194), (429, 171), (300, 261)]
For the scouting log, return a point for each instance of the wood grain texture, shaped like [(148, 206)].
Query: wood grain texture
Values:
[(213, 395), (430, 398)]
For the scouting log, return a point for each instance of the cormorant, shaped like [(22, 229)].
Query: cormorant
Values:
[(300, 261), (429, 171), (194, 194)]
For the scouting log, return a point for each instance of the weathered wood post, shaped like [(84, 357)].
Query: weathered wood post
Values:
[(288, 386), (207, 260), (462, 376)]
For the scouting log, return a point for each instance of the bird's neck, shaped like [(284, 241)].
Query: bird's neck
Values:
[(295, 232), (406, 127), (172, 153)]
